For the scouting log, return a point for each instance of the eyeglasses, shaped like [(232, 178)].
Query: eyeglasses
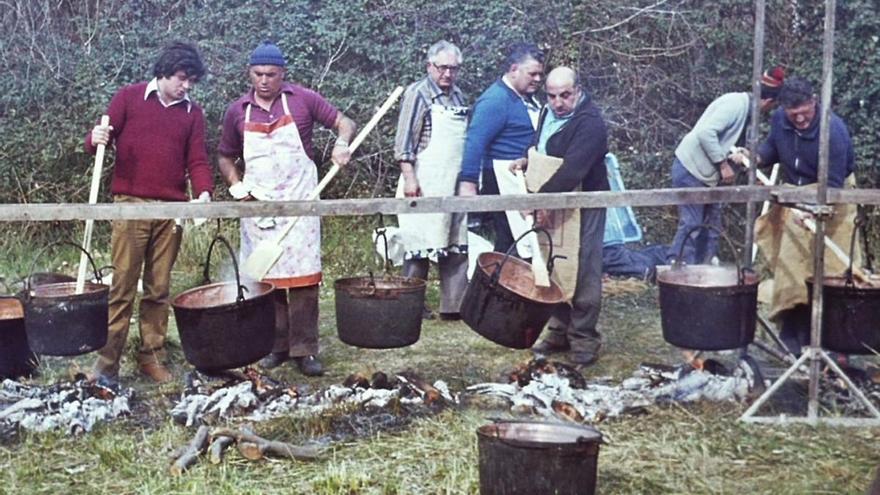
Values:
[(453, 69)]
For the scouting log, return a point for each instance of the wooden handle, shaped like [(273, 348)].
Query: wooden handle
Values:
[(97, 170)]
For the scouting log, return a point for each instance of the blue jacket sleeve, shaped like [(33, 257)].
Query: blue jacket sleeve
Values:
[(487, 121)]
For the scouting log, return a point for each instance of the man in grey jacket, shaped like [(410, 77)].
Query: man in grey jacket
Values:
[(703, 159)]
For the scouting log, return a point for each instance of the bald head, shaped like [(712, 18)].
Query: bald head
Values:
[(563, 92)]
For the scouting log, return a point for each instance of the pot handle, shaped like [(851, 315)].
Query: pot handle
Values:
[(740, 271), (550, 259), (206, 275), (27, 282)]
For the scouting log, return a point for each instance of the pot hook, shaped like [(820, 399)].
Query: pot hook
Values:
[(550, 259), (206, 275), (677, 263), (27, 283)]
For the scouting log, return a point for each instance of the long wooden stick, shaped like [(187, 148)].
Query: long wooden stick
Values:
[(90, 224)]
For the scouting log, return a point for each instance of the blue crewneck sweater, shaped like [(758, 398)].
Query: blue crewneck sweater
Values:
[(500, 128)]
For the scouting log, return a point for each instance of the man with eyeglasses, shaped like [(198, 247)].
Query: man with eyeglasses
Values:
[(428, 147), (159, 136), (793, 142), (568, 154), (502, 125)]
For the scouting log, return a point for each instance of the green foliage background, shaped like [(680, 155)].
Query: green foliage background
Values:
[(653, 65)]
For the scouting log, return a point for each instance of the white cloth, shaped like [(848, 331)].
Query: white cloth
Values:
[(508, 183), (278, 169), (428, 234)]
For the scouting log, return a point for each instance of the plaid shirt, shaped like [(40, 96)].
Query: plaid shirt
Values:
[(414, 123)]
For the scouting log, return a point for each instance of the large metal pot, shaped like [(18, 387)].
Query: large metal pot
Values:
[(60, 322), (706, 307), (502, 302), (225, 325), (379, 312), (535, 457), (16, 357)]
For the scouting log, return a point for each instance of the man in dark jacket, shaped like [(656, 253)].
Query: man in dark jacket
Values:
[(569, 151)]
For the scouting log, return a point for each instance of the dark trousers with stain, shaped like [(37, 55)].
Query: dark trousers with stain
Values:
[(296, 321), (576, 322), (453, 278)]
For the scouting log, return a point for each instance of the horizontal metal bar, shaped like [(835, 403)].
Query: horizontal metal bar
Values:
[(830, 421), (371, 206)]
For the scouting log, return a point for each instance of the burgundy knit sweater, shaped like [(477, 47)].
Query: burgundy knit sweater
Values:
[(157, 148)]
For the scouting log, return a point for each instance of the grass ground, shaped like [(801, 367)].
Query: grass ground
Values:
[(699, 448)]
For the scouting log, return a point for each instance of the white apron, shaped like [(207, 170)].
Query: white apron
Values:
[(508, 183), (427, 235), (276, 162)]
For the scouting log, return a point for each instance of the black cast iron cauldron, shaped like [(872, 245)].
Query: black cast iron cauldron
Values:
[(380, 312), (527, 458), (850, 311), (706, 307), (16, 357), (225, 325), (60, 322), (502, 302)]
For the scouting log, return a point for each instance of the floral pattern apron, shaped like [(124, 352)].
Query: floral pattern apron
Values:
[(276, 162), (428, 235)]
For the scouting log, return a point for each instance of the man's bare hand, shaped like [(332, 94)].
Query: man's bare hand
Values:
[(542, 219), (727, 173), (101, 134), (466, 188), (518, 164), (740, 156), (411, 187), (341, 155)]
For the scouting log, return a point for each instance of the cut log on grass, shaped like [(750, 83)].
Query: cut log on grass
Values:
[(192, 452), (267, 447), (218, 448)]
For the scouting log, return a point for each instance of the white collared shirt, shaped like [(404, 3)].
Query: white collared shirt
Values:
[(154, 86), (532, 107)]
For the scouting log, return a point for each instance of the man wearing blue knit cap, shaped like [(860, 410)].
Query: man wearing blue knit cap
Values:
[(270, 129)]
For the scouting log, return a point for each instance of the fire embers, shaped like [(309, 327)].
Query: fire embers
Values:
[(552, 389), (258, 397), (74, 407)]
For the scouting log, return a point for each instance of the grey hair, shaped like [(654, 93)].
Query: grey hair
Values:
[(443, 46)]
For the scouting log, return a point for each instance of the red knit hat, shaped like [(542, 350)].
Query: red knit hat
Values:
[(771, 82)]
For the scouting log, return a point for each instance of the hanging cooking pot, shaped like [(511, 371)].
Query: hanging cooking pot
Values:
[(16, 357), (529, 457), (502, 302), (707, 307), (850, 312), (225, 325), (60, 322), (379, 312)]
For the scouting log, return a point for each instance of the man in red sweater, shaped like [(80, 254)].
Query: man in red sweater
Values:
[(159, 136)]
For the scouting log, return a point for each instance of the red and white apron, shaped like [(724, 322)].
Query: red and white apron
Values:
[(277, 164), (427, 235)]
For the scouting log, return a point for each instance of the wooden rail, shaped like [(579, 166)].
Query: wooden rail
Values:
[(370, 206)]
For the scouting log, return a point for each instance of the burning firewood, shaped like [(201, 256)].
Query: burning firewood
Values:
[(356, 380), (567, 411), (191, 453), (261, 446)]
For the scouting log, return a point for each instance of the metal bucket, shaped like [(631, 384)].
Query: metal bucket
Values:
[(707, 307), (502, 302), (60, 322), (527, 458), (16, 357), (379, 312), (225, 325)]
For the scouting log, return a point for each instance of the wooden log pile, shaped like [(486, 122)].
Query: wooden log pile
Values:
[(215, 443)]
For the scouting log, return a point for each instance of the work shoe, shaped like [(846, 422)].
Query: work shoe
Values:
[(309, 365), (583, 359), (550, 346), (157, 372), (274, 360), (427, 314)]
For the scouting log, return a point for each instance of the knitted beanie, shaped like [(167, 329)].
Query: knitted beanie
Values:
[(771, 82), (267, 54)]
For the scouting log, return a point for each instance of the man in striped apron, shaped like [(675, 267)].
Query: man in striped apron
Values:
[(270, 129)]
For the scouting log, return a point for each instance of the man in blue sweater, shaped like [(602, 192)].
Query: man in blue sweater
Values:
[(793, 142), (501, 128)]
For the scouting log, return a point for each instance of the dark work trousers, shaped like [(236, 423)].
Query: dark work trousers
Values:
[(703, 243), (296, 321), (576, 322), (503, 237), (795, 327), (453, 278)]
